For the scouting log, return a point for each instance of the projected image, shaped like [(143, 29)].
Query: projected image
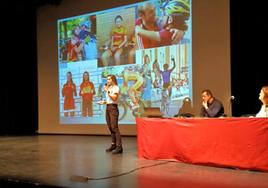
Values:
[(77, 39), (146, 45), (164, 28), (165, 72), (115, 32), (77, 86)]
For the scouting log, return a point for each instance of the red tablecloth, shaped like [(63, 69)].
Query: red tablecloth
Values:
[(233, 142)]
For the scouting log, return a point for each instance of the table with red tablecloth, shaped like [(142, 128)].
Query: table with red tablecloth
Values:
[(227, 142)]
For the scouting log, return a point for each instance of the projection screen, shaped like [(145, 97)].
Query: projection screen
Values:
[(185, 49)]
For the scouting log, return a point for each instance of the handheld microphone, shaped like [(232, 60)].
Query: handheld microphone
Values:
[(106, 86)]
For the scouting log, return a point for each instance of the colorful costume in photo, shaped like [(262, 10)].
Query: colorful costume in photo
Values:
[(118, 35), (68, 92), (87, 91)]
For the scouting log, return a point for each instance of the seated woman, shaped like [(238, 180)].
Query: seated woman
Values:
[(264, 99), (117, 42)]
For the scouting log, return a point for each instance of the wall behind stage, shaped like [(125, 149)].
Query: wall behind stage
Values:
[(210, 64)]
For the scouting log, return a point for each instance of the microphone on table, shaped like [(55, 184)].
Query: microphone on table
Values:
[(230, 104)]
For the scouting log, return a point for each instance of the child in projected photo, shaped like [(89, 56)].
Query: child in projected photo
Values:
[(116, 43), (68, 92), (88, 39), (87, 90), (74, 52)]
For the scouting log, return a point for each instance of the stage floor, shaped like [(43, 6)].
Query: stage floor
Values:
[(66, 161)]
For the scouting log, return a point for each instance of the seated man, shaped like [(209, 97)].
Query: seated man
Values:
[(211, 107)]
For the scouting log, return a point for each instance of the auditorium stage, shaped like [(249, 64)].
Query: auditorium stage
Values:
[(66, 161)]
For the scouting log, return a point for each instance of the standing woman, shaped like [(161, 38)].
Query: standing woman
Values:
[(68, 92), (112, 114), (87, 90)]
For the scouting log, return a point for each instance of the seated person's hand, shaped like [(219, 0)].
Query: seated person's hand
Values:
[(205, 104)]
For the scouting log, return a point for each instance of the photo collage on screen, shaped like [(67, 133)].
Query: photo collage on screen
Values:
[(147, 46)]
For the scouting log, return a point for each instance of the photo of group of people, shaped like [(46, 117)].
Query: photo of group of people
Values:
[(146, 45)]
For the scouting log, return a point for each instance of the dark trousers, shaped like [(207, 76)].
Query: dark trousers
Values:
[(112, 114)]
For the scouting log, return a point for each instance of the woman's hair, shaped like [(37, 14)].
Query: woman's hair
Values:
[(113, 78), (118, 17), (265, 91), (84, 75), (70, 75)]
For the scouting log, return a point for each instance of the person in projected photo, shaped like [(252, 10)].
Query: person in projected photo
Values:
[(149, 22), (264, 99), (87, 39), (112, 113), (68, 92), (146, 74), (114, 47), (163, 37), (74, 52), (211, 107), (157, 76), (146, 66), (87, 90), (166, 73), (130, 74)]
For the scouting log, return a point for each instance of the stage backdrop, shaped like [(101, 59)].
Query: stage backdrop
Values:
[(72, 39)]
